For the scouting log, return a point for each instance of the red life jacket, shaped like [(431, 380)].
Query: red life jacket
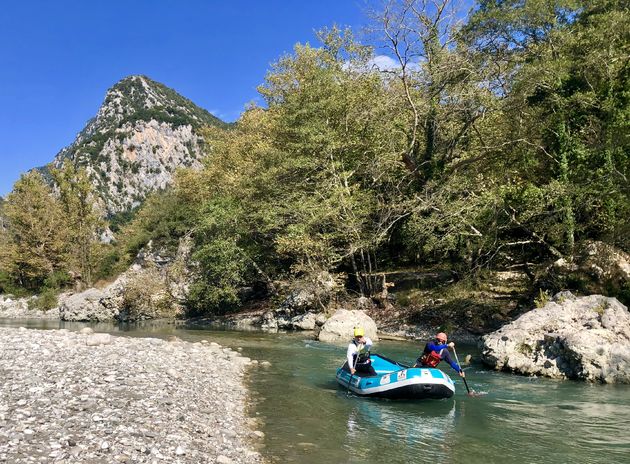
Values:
[(431, 359)]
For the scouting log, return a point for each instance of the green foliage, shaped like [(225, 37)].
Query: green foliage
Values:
[(222, 271), (223, 262), (325, 186), (35, 243), (46, 300), (624, 294), (119, 220), (8, 285), (601, 308), (57, 280), (82, 220), (525, 349), (542, 299), (146, 296)]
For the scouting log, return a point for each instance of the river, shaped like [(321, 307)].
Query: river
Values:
[(308, 418)]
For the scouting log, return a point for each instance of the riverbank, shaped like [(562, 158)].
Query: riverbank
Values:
[(18, 308), (121, 400)]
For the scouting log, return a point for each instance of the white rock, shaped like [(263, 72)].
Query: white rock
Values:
[(340, 327), (584, 338), (98, 339)]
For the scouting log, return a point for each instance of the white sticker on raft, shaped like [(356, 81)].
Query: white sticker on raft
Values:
[(385, 379), (402, 375), (425, 373)]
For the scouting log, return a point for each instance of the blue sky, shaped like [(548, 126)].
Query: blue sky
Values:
[(57, 59)]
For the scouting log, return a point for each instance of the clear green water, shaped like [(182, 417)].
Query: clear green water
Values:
[(308, 418)]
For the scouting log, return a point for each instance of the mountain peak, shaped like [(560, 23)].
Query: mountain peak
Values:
[(142, 132), (138, 96)]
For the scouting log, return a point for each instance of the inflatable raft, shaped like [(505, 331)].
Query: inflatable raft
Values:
[(397, 381)]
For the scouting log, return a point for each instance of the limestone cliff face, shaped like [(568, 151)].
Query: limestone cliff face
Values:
[(141, 134)]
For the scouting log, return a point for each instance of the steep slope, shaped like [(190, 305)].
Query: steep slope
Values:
[(142, 132)]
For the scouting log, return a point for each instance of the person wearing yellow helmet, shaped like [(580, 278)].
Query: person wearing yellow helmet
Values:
[(436, 351), (358, 353)]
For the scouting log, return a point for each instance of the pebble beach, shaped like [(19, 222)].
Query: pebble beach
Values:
[(69, 397)]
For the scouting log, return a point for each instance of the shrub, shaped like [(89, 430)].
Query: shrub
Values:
[(542, 299), (146, 296), (46, 300), (525, 349), (57, 280)]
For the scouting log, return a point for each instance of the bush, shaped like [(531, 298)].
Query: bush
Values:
[(8, 286), (111, 263), (46, 300), (57, 280), (146, 296), (624, 294), (542, 299)]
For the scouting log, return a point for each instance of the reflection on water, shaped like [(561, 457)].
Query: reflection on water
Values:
[(402, 428), (308, 418)]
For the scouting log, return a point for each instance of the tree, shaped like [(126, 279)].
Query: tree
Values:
[(83, 221), (566, 148), (546, 165), (337, 156), (436, 81), (36, 240)]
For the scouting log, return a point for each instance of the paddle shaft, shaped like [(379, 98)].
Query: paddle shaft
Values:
[(460, 366), (356, 359)]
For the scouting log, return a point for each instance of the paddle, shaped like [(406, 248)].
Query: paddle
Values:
[(351, 374), (460, 366)]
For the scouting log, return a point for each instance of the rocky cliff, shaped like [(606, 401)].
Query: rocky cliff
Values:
[(141, 134)]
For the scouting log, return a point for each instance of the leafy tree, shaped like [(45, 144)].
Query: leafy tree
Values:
[(337, 157), (547, 164), (82, 219), (36, 242), (569, 137)]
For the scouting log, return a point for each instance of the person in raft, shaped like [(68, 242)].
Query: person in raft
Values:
[(436, 351), (358, 354)]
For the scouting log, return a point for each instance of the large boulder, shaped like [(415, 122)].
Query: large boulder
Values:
[(86, 306), (306, 321), (585, 338), (340, 326)]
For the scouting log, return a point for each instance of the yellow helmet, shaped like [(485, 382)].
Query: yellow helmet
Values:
[(359, 332)]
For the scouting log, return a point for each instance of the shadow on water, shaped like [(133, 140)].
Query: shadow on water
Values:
[(308, 418)]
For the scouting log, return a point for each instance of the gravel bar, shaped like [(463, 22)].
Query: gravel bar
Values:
[(69, 397)]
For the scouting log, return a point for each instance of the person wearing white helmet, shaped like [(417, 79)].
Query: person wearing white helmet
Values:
[(358, 354), (436, 351)]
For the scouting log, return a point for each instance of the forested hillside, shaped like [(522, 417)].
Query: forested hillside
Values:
[(498, 142)]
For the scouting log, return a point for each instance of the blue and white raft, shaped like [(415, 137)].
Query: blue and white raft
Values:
[(397, 381)]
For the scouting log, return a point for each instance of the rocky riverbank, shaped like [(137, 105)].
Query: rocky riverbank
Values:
[(18, 308), (91, 398)]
